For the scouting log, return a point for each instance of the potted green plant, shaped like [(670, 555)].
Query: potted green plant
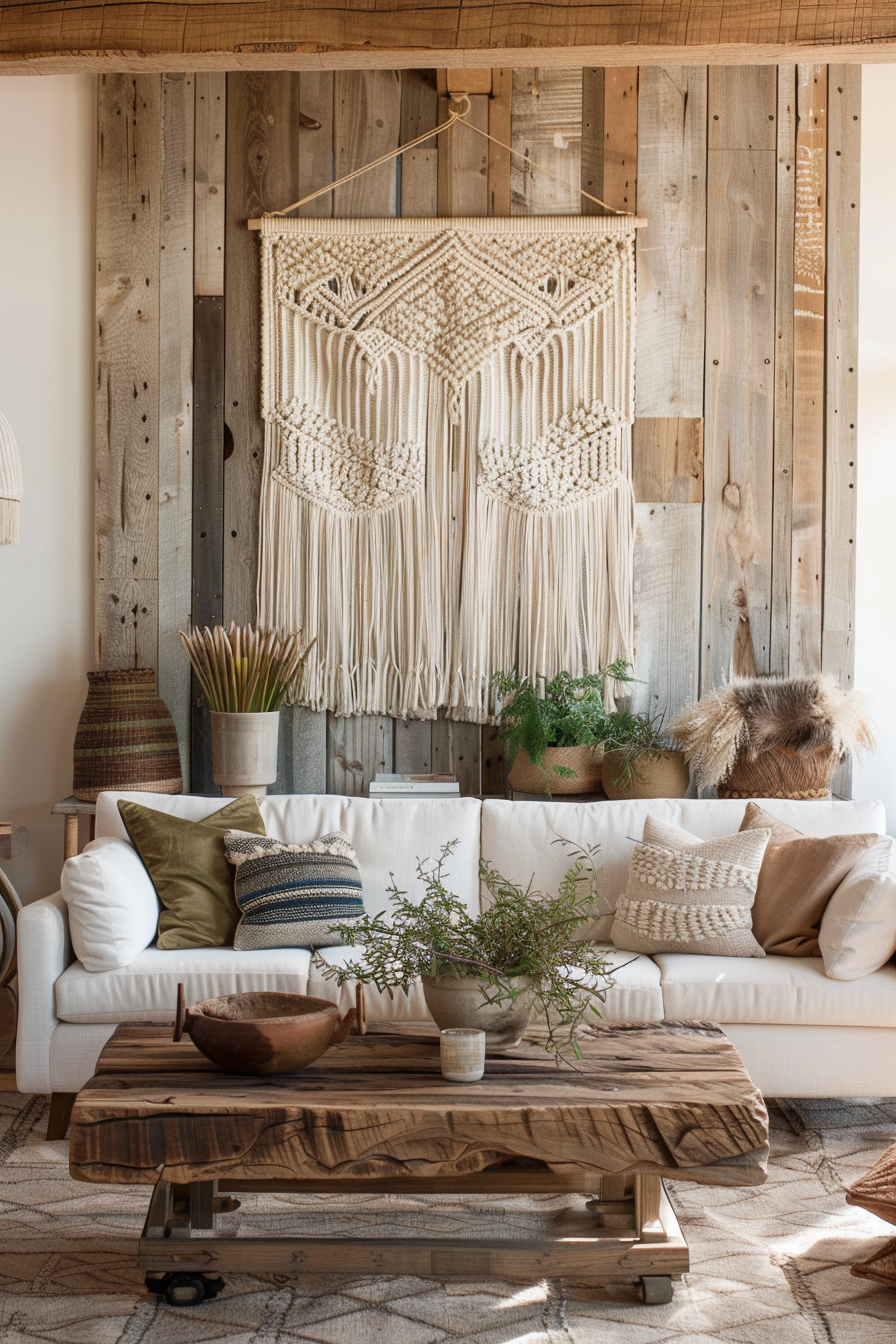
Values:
[(638, 761), (556, 728), (245, 674), (490, 970)]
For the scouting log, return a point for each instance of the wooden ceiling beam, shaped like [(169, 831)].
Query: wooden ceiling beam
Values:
[(56, 36)]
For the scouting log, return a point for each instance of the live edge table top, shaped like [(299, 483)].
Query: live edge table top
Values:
[(671, 1098)]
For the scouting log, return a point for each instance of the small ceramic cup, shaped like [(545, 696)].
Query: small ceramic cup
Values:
[(462, 1052)]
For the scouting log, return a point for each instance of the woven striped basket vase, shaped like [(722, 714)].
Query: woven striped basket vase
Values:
[(126, 737)]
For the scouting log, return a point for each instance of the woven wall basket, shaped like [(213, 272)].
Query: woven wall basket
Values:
[(527, 777), (126, 737), (781, 772)]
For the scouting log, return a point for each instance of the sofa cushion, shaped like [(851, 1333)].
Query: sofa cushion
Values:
[(789, 990), (858, 928), (636, 996), (113, 909), (685, 894), (388, 835), (189, 869), (519, 838), (799, 874), (146, 990)]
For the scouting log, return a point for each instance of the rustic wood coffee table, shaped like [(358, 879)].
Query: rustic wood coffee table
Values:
[(374, 1114)]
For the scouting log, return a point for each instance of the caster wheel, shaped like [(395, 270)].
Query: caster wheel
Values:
[(655, 1290), (185, 1290)]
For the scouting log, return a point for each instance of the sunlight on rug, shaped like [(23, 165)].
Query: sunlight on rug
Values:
[(770, 1265)]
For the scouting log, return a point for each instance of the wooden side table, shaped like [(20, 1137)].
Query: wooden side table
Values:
[(73, 809)]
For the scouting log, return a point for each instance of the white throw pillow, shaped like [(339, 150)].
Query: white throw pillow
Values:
[(113, 909), (858, 927)]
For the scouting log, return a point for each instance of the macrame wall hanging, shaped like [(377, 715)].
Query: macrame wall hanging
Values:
[(447, 481)]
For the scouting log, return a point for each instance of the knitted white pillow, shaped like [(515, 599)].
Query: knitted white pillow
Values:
[(685, 894), (858, 928), (113, 909)]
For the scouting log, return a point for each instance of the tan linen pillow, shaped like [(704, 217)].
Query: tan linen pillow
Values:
[(798, 877), (685, 894), (189, 869), (858, 927)]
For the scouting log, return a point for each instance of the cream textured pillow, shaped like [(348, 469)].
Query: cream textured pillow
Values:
[(113, 909), (685, 894), (858, 928)]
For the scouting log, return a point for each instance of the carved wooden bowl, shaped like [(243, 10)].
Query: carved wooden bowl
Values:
[(265, 1031)]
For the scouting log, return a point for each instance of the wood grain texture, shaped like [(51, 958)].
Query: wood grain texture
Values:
[(357, 749), (739, 417), (620, 171), (667, 460), (419, 168), (176, 254), (499, 125), (209, 182), (592, 152), (457, 750), (742, 107), (263, 140), (782, 503), (653, 1098), (841, 381), (667, 577), (671, 250), (546, 130), (808, 371), (185, 35), (129, 172), (463, 161)]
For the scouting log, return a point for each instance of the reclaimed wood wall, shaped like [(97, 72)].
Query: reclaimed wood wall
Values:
[(744, 443)]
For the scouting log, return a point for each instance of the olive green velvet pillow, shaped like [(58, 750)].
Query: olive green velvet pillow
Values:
[(189, 870)]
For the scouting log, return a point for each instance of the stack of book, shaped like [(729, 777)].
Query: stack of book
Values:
[(415, 786)]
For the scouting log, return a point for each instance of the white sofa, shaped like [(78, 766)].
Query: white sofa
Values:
[(800, 1033)]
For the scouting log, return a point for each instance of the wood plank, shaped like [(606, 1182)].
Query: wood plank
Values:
[(367, 123), (263, 140), (742, 107), (620, 171), (464, 80), (841, 401), (807, 498), (129, 170), (176, 402), (667, 460), (211, 163), (667, 578), (208, 510), (499, 126), (183, 35), (492, 773), (592, 151), (419, 168), (456, 750), (463, 161), (413, 746), (782, 504), (547, 131), (671, 250), (739, 422), (653, 1098)]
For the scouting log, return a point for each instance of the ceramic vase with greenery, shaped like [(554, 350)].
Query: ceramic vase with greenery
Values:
[(555, 729), (244, 674), (638, 761), (490, 970)]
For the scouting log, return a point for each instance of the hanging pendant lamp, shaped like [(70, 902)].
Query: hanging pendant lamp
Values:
[(10, 484)]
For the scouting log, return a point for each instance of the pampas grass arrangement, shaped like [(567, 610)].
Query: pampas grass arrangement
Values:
[(245, 670), (751, 717)]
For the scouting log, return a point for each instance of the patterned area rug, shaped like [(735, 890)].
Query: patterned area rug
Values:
[(770, 1265)]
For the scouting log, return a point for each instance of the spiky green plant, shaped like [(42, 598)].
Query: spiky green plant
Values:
[(245, 670)]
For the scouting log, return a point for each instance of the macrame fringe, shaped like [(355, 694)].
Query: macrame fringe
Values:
[(9, 522)]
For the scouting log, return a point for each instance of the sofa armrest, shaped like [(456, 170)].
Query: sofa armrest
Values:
[(44, 951)]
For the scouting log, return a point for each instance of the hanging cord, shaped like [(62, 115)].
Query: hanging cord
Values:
[(454, 118)]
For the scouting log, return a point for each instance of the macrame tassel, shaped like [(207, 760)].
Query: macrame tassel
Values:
[(9, 522)]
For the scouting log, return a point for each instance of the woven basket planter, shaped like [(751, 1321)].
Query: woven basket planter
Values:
[(665, 776), (126, 739), (527, 777), (781, 772)]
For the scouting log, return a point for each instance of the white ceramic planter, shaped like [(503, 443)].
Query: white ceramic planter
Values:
[(460, 1003), (244, 752)]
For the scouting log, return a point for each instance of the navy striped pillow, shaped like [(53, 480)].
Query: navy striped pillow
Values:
[(291, 895)]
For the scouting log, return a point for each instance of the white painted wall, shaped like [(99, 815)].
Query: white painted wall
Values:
[(876, 463), (47, 132)]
